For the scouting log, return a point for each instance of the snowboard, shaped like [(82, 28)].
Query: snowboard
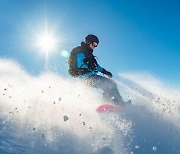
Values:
[(107, 108)]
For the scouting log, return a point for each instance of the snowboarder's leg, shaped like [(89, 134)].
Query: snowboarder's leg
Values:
[(108, 86)]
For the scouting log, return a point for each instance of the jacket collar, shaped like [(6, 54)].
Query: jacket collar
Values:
[(86, 47)]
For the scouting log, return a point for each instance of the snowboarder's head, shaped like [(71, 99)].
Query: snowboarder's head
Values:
[(92, 41)]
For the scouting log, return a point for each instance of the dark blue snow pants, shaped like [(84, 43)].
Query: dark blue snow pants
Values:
[(109, 88)]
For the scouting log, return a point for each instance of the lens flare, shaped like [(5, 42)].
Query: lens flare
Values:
[(65, 53)]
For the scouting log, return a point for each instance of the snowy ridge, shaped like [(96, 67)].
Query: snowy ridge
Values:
[(50, 114), (155, 114), (149, 91), (53, 114)]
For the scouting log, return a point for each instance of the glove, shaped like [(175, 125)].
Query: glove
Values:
[(109, 74)]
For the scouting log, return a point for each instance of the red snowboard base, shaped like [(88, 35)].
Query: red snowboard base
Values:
[(106, 108)]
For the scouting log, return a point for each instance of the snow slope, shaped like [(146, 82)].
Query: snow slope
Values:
[(53, 114)]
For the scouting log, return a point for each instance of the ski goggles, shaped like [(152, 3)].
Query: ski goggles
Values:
[(94, 44)]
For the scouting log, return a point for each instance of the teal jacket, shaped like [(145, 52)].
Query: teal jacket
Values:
[(81, 64)]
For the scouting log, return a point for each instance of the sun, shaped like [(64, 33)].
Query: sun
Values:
[(47, 42)]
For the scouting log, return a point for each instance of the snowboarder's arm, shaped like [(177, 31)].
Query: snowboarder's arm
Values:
[(99, 68), (81, 64), (80, 60), (102, 70)]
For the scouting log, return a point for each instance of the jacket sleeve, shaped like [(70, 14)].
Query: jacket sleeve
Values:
[(99, 68), (80, 62), (80, 58)]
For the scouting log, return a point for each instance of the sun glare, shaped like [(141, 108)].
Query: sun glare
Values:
[(46, 38), (47, 42)]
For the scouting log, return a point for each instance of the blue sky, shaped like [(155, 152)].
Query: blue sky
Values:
[(134, 35)]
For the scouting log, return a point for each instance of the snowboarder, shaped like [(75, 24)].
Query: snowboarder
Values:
[(83, 64)]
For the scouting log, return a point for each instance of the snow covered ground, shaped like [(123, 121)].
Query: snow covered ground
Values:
[(52, 114)]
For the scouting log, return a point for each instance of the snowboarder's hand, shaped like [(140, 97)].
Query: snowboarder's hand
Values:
[(109, 74)]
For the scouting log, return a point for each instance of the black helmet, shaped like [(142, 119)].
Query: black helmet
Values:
[(91, 38)]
